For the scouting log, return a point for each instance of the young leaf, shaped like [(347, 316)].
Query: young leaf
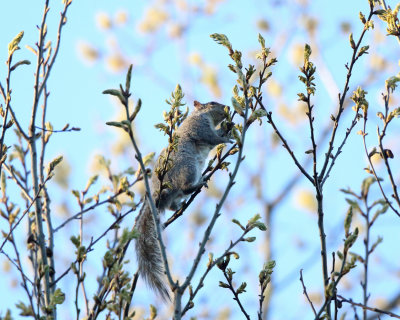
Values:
[(53, 164), (261, 41), (16, 65), (13, 45), (135, 112), (128, 79), (223, 40), (116, 93)]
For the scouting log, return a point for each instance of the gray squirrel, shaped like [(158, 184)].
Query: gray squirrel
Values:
[(197, 136)]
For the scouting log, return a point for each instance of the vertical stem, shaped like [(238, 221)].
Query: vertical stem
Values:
[(322, 236), (364, 284), (80, 272), (268, 257), (40, 238), (46, 199), (178, 302), (7, 98)]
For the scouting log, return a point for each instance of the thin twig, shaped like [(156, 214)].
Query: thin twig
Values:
[(10, 171), (390, 314), (305, 292), (20, 219), (339, 150), (39, 86), (93, 242), (131, 291), (285, 143), (80, 213), (235, 294), (342, 98), (209, 268), (18, 267), (378, 180)]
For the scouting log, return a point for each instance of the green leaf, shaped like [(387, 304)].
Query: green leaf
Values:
[(380, 211), (153, 312), (210, 259), (261, 41), (351, 40), (13, 45), (115, 124), (26, 311), (363, 50), (136, 111), (222, 39), (76, 194), (307, 54), (257, 114), (53, 164), (161, 127), (270, 265), (91, 181), (16, 65), (362, 18), (116, 93), (366, 184), (351, 239), (76, 241), (353, 203), (147, 158), (255, 223), (237, 106), (7, 315), (128, 79), (223, 284), (376, 243), (57, 298), (242, 288), (391, 83), (347, 221), (238, 223)]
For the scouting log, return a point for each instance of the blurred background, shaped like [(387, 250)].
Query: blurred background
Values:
[(168, 43)]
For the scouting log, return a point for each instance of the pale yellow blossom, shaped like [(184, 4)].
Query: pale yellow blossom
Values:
[(274, 89), (88, 52), (175, 30), (121, 17), (210, 79), (296, 54), (116, 63), (377, 62), (103, 21), (153, 19), (195, 58), (263, 24), (306, 200)]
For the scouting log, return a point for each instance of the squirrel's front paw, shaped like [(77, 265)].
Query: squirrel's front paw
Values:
[(204, 182)]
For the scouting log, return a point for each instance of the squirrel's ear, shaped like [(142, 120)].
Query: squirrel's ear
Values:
[(197, 104)]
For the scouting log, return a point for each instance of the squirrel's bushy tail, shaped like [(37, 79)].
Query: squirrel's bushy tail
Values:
[(148, 252)]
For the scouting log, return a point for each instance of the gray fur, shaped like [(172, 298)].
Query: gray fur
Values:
[(197, 136)]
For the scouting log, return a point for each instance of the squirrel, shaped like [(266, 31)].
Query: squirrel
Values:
[(197, 136)]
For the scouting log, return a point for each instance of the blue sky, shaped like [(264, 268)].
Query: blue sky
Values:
[(76, 98)]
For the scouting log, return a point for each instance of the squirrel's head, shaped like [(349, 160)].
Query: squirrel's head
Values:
[(215, 109)]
